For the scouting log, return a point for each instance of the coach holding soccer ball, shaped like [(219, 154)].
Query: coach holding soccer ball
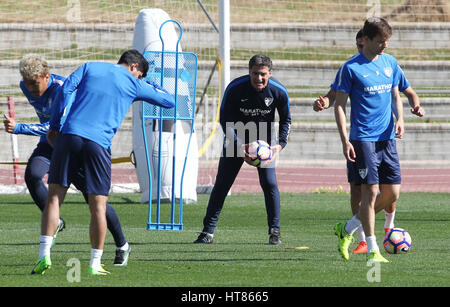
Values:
[(249, 103)]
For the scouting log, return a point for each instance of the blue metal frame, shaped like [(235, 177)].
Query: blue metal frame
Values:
[(160, 117)]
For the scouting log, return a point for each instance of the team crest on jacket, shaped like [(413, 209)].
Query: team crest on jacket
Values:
[(268, 101), (388, 71)]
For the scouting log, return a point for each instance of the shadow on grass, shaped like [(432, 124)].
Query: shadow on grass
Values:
[(19, 244), (199, 244), (220, 260)]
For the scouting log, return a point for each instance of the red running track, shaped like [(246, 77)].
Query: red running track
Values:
[(307, 180), (294, 180)]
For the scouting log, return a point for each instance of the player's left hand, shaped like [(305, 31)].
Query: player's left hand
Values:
[(418, 110), (276, 149)]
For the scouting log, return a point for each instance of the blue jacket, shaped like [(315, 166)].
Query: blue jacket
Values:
[(243, 107), (104, 93), (42, 106)]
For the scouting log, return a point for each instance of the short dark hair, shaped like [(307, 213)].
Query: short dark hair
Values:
[(260, 60), (133, 56), (377, 25), (359, 34)]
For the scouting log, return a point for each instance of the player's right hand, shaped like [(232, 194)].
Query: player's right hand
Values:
[(52, 135), (10, 123), (349, 152), (319, 104)]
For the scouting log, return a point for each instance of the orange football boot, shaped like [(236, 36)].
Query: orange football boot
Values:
[(361, 248)]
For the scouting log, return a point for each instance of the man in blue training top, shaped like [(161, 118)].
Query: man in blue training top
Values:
[(247, 113), (104, 93), (325, 102), (371, 80), (40, 88)]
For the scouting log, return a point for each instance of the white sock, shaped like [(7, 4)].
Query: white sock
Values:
[(352, 225), (361, 234), (124, 247), (372, 244), (96, 258), (389, 222), (44, 246)]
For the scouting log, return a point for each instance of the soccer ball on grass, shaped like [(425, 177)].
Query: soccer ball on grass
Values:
[(396, 241)]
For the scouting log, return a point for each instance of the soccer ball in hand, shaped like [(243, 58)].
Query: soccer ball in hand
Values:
[(257, 152), (396, 241)]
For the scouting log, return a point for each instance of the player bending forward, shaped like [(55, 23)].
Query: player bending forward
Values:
[(40, 87), (105, 92)]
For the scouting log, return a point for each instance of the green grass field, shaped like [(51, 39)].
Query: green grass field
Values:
[(240, 256)]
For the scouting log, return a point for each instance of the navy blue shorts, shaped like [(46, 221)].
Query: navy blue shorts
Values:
[(350, 171), (72, 153), (375, 163)]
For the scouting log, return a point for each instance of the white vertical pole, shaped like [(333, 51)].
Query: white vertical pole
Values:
[(206, 119), (224, 43)]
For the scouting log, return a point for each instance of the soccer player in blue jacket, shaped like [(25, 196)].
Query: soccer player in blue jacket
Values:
[(104, 93), (40, 88), (247, 113), (370, 79)]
